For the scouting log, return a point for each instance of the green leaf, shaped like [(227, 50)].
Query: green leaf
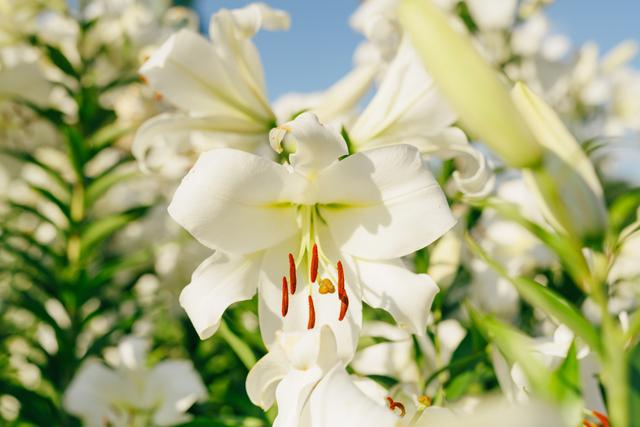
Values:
[(546, 300), (623, 211), (28, 158), (59, 59), (77, 149), (102, 184), (99, 230), (567, 251), (48, 195)]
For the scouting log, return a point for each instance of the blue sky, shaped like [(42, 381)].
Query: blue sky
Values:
[(318, 48)]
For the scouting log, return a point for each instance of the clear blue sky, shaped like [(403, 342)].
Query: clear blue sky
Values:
[(318, 48)]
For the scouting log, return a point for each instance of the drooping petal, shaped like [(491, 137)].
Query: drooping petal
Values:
[(337, 401), (327, 307), (218, 282), (236, 202), (404, 294), (177, 386), (164, 137), (189, 72), (473, 176), (383, 203), (264, 377)]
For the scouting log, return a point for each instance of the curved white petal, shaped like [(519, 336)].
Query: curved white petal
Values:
[(231, 32), (337, 401), (314, 146), (164, 137), (473, 175), (292, 395), (235, 201), (177, 386), (391, 359), (404, 294), (218, 282), (327, 307), (190, 73), (264, 377), (383, 203), (407, 105)]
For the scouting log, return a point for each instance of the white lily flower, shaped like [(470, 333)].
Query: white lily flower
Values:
[(408, 109), (132, 393), (304, 374), (343, 224), (218, 88)]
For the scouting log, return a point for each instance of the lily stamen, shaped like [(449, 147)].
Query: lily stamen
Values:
[(314, 263), (393, 405), (344, 305), (604, 421), (312, 314), (285, 297), (326, 286), (292, 274)]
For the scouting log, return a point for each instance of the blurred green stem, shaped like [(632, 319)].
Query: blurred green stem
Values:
[(239, 347)]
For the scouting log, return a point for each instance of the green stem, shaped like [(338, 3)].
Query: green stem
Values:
[(239, 347)]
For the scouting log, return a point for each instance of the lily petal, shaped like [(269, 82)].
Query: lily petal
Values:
[(235, 201), (171, 135), (383, 203), (218, 282), (314, 146), (178, 386), (337, 401), (292, 395), (190, 73), (404, 294), (264, 377)]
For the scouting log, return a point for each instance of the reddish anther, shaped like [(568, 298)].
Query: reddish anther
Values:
[(602, 418), (312, 314), (393, 405), (292, 274), (341, 290), (314, 263), (285, 297), (586, 423), (344, 305)]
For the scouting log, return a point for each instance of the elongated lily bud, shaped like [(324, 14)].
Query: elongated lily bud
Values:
[(470, 85), (566, 184)]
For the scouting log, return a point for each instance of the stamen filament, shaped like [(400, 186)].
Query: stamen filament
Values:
[(312, 314), (285, 297), (393, 405)]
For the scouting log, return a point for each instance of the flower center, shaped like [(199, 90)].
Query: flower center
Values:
[(321, 269)]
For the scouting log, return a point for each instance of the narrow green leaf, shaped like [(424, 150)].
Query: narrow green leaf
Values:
[(634, 383), (99, 230), (546, 300)]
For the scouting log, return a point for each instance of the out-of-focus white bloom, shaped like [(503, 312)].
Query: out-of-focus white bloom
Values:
[(493, 14), (304, 375), (395, 358), (552, 351), (343, 224), (218, 88), (493, 413), (132, 394), (511, 246), (408, 109)]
